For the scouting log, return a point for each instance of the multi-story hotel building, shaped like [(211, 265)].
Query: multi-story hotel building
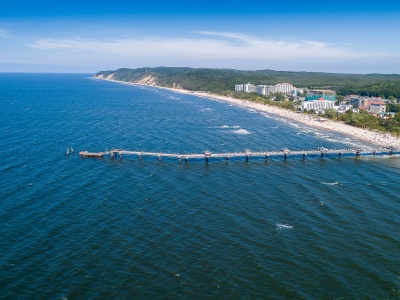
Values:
[(239, 87), (249, 88)]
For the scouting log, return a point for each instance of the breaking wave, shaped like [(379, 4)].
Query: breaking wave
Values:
[(283, 226), (241, 131)]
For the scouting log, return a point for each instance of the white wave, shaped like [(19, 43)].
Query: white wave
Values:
[(206, 109), (241, 131), (331, 183), (357, 144), (267, 116), (332, 140), (318, 133), (227, 126), (174, 98), (283, 226)]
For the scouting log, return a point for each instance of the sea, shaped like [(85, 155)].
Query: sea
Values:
[(130, 228)]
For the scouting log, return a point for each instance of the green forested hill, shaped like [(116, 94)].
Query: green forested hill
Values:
[(224, 80)]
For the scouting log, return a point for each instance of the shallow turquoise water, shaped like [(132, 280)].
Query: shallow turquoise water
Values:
[(128, 228)]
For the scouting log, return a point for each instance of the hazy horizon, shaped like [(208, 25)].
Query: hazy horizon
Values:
[(89, 73)]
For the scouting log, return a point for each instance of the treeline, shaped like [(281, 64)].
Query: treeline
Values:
[(224, 80), (381, 89)]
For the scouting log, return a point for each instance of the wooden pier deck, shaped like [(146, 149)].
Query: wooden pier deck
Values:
[(91, 154), (285, 153)]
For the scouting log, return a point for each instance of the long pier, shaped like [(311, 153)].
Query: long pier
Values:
[(114, 153)]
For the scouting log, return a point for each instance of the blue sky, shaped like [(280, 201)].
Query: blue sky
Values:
[(328, 36)]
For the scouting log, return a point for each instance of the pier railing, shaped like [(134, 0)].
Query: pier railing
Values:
[(114, 153)]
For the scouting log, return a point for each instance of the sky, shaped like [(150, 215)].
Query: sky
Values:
[(91, 36)]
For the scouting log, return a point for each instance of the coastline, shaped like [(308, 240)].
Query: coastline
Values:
[(377, 138)]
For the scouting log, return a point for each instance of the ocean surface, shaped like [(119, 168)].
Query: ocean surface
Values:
[(85, 228)]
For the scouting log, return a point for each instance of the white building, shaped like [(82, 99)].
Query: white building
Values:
[(342, 108), (284, 88), (249, 88), (266, 90), (263, 90), (273, 89), (318, 105), (377, 107), (239, 87)]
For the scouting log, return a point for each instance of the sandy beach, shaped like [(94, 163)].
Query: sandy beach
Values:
[(377, 138)]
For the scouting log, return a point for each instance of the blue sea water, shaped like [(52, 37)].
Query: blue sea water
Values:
[(77, 228)]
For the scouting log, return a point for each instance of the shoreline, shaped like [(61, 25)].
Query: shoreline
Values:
[(377, 138)]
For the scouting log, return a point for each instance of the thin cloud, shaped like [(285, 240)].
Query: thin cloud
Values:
[(198, 48), (233, 35)]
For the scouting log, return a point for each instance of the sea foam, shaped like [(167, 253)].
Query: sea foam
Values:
[(283, 226), (241, 131)]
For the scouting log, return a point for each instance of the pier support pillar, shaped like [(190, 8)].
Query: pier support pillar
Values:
[(247, 158), (120, 154), (322, 155), (266, 157), (159, 157), (186, 159), (357, 153), (340, 154), (227, 158), (374, 153), (391, 152), (206, 158), (284, 156), (304, 155), (179, 158)]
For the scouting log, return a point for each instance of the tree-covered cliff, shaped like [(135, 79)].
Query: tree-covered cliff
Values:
[(224, 80)]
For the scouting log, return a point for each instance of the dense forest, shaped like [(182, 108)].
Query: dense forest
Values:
[(224, 80)]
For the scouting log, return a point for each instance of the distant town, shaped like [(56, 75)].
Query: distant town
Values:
[(319, 100)]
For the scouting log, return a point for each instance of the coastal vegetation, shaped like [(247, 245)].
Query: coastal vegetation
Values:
[(222, 82)]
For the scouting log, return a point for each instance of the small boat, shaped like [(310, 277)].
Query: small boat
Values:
[(67, 151), (72, 150)]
